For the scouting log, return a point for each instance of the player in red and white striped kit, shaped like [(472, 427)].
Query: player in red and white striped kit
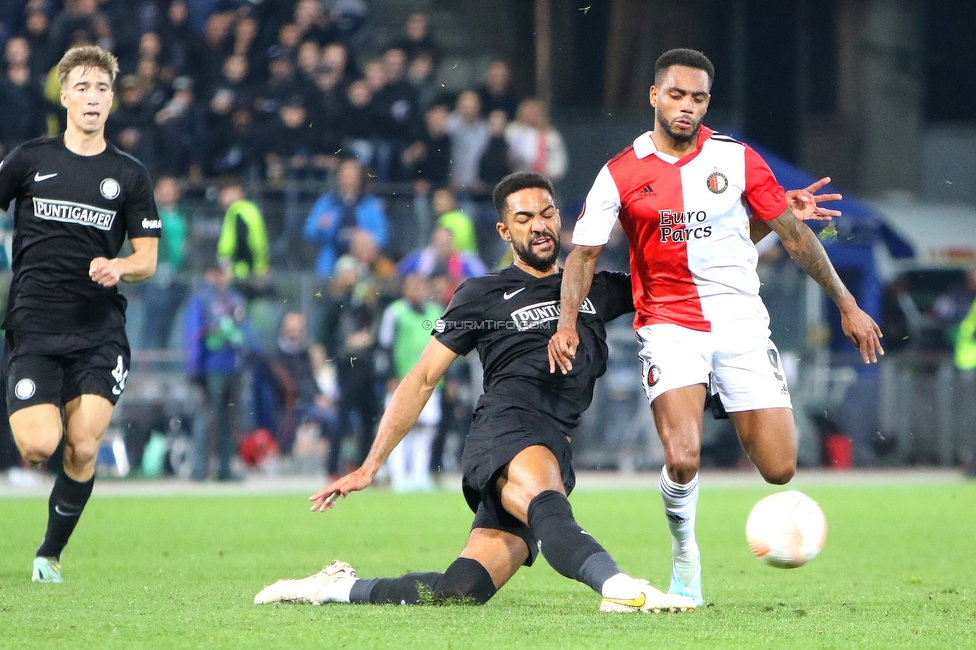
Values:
[(692, 202)]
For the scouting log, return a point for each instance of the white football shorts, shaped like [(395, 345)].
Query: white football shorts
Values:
[(745, 370)]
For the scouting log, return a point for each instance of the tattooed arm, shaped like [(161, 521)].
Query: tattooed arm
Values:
[(805, 249)]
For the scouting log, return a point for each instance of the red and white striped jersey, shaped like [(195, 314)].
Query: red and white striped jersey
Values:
[(687, 221)]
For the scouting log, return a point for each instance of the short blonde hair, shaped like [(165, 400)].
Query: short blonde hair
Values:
[(87, 56)]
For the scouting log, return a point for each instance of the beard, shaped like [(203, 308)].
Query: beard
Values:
[(537, 262), (678, 136)]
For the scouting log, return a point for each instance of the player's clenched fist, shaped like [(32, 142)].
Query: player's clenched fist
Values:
[(105, 272)]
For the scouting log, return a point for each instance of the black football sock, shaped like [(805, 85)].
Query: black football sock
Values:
[(465, 579), (568, 549), (68, 499), (405, 590)]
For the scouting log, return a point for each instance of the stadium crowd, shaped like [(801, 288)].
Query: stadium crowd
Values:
[(284, 93)]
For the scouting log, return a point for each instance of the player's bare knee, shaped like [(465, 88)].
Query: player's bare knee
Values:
[(682, 467), (81, 452), (36, 451)]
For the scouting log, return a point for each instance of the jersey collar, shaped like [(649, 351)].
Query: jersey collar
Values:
[(644, 145)]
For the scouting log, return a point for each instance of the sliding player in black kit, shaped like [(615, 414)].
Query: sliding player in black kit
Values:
[(66, 352), (517, 457)]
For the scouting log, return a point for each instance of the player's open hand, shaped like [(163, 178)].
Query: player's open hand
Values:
[(105, 272), (861, 330), (562, 349), (805, 203), (327, 496)]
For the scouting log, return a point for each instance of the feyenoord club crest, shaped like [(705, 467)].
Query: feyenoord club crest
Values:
[(653, 376), (110, 188), (717, 183)]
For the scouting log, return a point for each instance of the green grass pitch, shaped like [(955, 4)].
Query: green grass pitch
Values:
[(898, 571)]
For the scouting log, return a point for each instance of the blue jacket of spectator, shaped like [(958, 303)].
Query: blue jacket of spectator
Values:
[(216, 333), (323, 227)]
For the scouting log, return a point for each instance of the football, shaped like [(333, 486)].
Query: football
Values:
[(786, 529)]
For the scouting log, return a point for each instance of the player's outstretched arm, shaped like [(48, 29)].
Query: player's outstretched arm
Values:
[(407, 402), (804, 247), (805, 204), (135, 268), (577, 278)]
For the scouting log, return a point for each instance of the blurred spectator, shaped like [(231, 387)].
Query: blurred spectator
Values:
[(182, 132), (966, 340), (289, 38), (428, 160), (127, 23), (132, 127), (17, 51), (215, 339), (38, 37), (163, 294), (79, 19), (326, 106), (951, 307), (21, 101), (234, 78), (496, 162), (183, 51), (282, 85), (233, 146), (243, 244), (245, 34), (439, 260), (150, 47), (404, 332), (421, 73), (217, 47), (337, 215), (497, 93), (291, 143), (308, 59), (348, 333), (450, 216), (965, 358), (156, 92), (359, 130), (534, 144), (417, 39), (314, 23), (372, 263), (295, 366), (469, 137), (336, 57), (400, 110), (381, 120), (348, 16)]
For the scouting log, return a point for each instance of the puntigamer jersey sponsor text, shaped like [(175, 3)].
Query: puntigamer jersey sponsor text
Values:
[(70, 209), (509, 317), (687, 222)]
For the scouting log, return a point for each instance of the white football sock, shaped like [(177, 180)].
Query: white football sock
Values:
[(680, 506), (337, 591), (620, 586)]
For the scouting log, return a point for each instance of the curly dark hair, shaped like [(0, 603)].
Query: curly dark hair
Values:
[(514, 183)]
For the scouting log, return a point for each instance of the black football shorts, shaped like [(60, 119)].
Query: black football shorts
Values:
[(49, 368), (497, 436)]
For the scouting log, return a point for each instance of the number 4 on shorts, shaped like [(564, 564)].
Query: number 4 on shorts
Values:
[(120, 373)]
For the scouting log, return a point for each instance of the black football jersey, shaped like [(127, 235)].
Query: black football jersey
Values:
[(509, 316), (70, 209)]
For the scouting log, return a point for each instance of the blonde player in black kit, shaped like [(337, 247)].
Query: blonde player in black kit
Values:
[(517, 458), (67, 356)]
